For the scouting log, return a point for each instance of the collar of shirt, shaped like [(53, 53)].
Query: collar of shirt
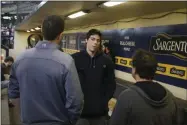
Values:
[(47, 45)]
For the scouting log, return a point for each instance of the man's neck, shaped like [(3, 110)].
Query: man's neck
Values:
[(138, 79), (92, 54), (142, 80), (53, 41)]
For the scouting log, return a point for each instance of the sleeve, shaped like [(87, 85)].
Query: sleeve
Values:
[(176, 112), (110, 81), (4, 84), (122, 110), (74, 95), (13, 89)]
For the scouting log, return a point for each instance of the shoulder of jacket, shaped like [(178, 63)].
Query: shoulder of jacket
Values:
[(63, 58), (107, 60), (127, 91), (106, 57), (132, 91), (78, 54), (24, 54)]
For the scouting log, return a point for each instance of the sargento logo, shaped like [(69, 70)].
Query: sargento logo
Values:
[(175, 45)]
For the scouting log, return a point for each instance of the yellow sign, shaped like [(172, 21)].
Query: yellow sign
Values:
[(172, 71), (123, 61), (179, 72), (70, 51)]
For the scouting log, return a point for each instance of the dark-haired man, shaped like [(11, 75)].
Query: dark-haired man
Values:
[(146, 103), (5, 67), (5, 70), (96, 73), (9, 61), (46, 80), (108, 51)]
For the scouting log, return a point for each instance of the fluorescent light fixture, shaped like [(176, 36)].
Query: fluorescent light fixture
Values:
[(43, 2), (3, 2), (111, 4), (37, 28), (28, 31), (78, 14), (32, 30), (6, 17)]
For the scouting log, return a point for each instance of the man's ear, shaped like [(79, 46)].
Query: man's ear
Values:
[(135, 71), (41, 29), (61, 35)]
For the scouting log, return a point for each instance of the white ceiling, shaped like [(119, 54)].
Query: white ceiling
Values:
[(98, 14)]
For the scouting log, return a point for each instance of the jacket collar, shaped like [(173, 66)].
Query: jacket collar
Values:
[(47, 45), (96, 55)]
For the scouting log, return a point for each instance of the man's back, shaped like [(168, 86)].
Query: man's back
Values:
[(48, 84), (141, 106)]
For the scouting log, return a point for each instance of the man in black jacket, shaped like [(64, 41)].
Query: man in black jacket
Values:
[(96, 74)]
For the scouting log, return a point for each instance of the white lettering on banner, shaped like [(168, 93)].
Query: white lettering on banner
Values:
[(127, 43), (126, 37), (127, 49), (178, 46)]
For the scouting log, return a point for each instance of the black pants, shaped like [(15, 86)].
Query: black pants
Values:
[(92, 121)]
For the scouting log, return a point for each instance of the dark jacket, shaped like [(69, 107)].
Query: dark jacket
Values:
[(3, 70), (97, 80), (111, 56), (146, 103), (46, 81)]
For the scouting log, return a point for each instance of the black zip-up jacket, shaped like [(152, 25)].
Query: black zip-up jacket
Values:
[(97, 80)]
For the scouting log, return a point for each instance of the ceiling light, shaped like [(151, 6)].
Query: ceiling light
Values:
[(3, 2), (110, 4), (15, 17), (6, 17), (28, 31), (78, 14), (37, 28), (32, 30), (43, 2)]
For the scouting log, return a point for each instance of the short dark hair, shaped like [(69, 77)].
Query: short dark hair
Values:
[(9, 59), (106, 44), (52, 26), (93, 32), (145, 64)]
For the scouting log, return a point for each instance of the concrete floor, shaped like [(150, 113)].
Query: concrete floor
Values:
[(9, 116), (5, 119)]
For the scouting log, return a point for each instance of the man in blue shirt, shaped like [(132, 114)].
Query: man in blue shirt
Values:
[(46, 80)]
